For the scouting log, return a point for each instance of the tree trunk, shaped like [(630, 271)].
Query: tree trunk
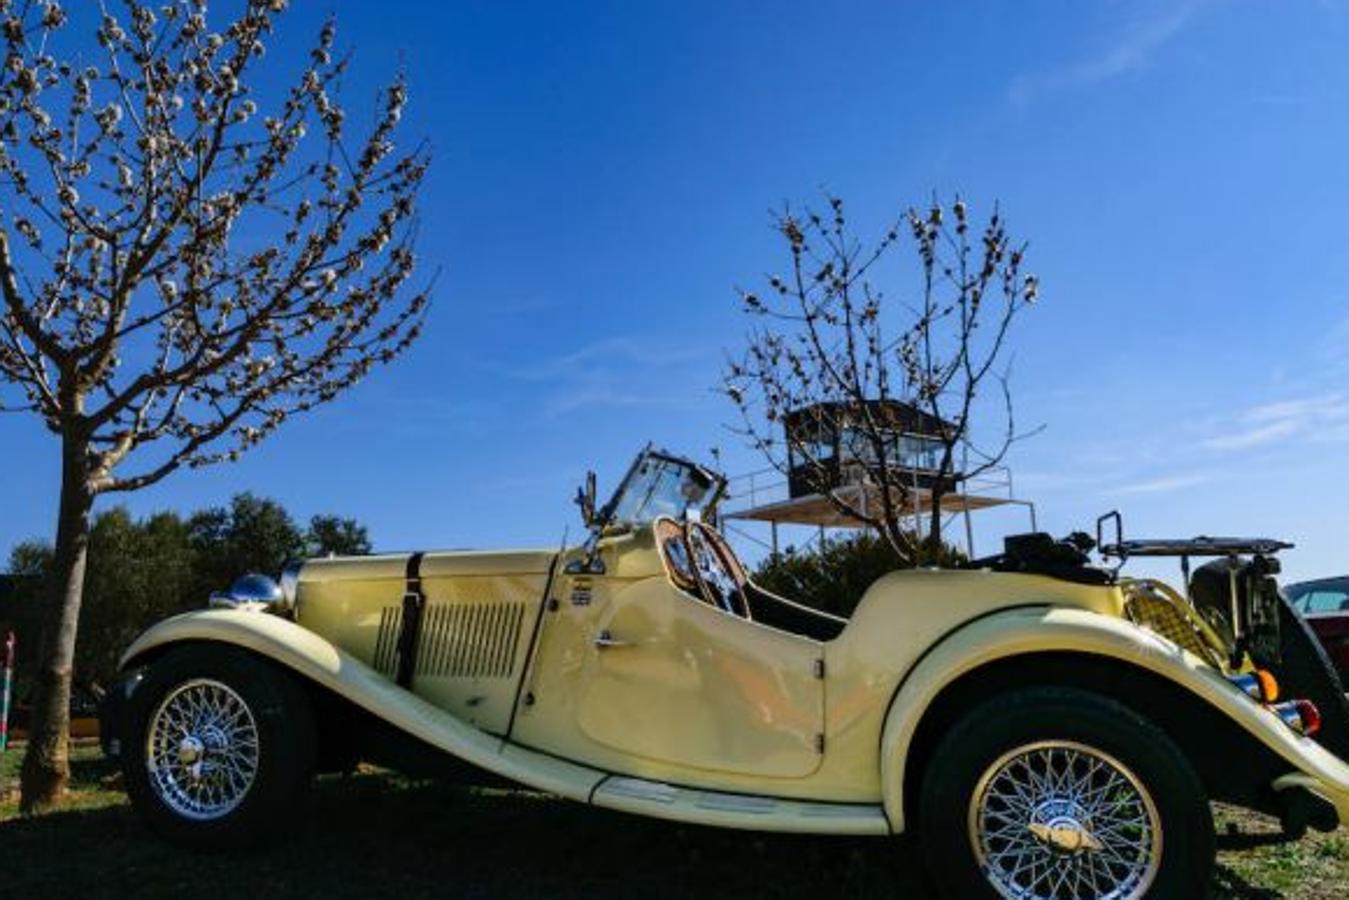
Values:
[(932, 545), (46, 765), (935, 526)]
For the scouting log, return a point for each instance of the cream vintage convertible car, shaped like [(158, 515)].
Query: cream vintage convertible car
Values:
[(1048, 728)]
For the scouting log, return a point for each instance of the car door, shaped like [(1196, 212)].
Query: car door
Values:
[(672, 679)]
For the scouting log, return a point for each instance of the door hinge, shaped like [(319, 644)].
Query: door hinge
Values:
[(819, 668), (819, 742)]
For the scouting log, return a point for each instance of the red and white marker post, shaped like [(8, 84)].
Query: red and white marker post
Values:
[(4, 691)]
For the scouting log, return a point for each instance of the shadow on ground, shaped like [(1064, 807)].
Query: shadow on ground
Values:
[(1228, 884), (375, 835), (378, 836)]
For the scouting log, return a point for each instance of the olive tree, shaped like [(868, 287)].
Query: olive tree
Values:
[(186, 260), (831, 334)]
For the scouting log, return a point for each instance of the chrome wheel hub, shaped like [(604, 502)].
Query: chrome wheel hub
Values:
[(191, 750), (201, 749), (1063, 826), (1056, 820)]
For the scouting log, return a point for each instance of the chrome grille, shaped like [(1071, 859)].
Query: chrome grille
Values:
[(457, 640), (386, 642)]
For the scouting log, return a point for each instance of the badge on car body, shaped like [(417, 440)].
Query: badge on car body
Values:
[(580, 594)]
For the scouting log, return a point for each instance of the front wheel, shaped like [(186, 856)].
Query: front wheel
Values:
[(1057, 793), (218, 747)]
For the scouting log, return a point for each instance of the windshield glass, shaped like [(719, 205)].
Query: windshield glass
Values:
[(660, 485)]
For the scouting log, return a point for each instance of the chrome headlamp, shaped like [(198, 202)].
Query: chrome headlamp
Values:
[(248, 591)]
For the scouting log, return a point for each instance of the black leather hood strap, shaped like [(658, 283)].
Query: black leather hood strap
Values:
[(414, 602)]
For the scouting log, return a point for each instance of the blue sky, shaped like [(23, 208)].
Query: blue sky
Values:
[(603, 178)]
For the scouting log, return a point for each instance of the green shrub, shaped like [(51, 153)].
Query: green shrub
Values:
[(143, 570), (833, 575)]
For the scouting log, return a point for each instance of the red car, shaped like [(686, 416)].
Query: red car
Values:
[(1325, 605)]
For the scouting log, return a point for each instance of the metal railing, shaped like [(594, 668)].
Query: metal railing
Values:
[(769, 485)]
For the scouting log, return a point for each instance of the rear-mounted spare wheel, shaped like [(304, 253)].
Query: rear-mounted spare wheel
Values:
[(1305, 672), (1300, 665)]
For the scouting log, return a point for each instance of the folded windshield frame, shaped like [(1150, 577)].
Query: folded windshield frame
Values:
[(662, 484)]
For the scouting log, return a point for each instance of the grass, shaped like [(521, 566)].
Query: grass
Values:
[(1314, 868), (379, 834)]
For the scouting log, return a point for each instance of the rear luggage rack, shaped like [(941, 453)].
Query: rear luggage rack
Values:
[(1182, 547), (1199, 546), (1250, 607)]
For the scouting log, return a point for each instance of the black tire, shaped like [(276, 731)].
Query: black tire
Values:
[(1024, 717), (284, 727)]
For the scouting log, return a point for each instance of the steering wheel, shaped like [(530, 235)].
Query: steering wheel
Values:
[(716, 577), (674, 550)]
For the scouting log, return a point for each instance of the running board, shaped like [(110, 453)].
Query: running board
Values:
[(747, 811)]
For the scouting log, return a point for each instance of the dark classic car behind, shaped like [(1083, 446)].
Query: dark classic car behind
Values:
[(1324, 603)]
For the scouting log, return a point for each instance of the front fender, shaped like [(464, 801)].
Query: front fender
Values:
[(318, 661), (1056, 629)]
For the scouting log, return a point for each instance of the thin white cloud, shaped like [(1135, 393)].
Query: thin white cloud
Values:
[(1037, 481), (1248, 438), (1313, 417), (1309, 419), (618, 372), (599, 396), (1304, 420), (1164, 484), (1131, 51), (1302, 408), (619, 352)]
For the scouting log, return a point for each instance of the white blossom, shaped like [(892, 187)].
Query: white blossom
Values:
[(109, 116)]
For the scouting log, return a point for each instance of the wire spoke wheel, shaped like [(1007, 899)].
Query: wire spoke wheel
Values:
[(1058, 820), (202, 751)]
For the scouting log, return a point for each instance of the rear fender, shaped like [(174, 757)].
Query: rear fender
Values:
[(1056, 629)]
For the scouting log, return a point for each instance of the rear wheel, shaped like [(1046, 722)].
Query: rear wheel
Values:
[(218, 747), (1057, 793)]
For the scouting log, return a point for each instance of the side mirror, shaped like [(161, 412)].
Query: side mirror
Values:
[(585, 498)]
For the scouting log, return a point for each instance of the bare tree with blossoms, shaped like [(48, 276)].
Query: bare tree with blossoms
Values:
[(181, 272), (827, 338)]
